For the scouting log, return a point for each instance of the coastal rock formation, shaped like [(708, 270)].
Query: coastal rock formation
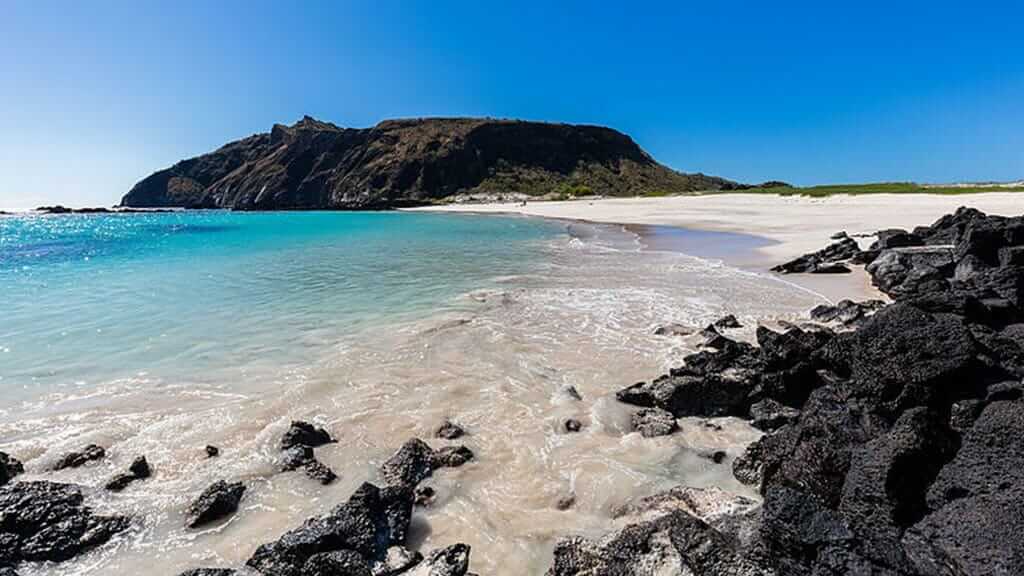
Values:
[(301, 456), (449, 431), (138, 470), (77, 459), (683, 531), (47, 521), (415, 461), (893, 448), (305, 434), (314, 164), (9, 468), (218, 501), (822, 260)]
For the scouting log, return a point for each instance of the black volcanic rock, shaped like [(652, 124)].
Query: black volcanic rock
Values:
[(305, 434), (138, 470), (653, 422), (368, 524), (77, 459), (9, 468), (314, 164), (47, 521), (823, 260), (218, 501)]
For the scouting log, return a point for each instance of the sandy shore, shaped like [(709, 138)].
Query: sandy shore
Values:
[(794, 224)]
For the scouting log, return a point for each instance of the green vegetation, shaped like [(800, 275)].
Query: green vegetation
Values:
[(879, 188)]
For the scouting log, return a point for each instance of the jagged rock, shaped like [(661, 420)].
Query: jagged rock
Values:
[(138, 470), (770, 415), (673, 543), (875, 505), (305, 434), (451, 457), (842, 250), (77, 459), (212, 451), (209, 572), (345, 562), (301, 456), (653, 422), (372, 521), (729, 321), (314, 164), (846, 312), (896, 238), (748, 467), (990, 460), (833, 268), (47, 521), (218, 501), (976, 535), (9, 468), (572, 425), (712, 383), (416, 461), (450, 561), (320, 472), (449, 431), (903, 357)]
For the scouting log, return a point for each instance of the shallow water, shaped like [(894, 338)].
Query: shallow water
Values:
[(159, 334)]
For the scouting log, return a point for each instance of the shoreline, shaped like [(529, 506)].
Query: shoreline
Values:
[(791, 225)]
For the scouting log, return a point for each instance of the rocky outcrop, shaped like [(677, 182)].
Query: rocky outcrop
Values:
[(416, 461), (893, 447), (305, 434), (822, 261), (314, 164), (218, 501), (77, 459), (365, 535), (683, 531), (47, 521), (9, 468), (138, 470)]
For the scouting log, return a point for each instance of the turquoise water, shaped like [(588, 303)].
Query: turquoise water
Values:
[(209, 296)]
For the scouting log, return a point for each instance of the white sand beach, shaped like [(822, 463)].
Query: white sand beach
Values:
[(795, 224)]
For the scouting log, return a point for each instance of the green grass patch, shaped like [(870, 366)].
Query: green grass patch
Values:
[(878, 188)]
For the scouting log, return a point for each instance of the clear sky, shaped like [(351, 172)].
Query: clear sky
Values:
[(96, 95)]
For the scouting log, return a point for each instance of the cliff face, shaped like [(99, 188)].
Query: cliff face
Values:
[(314, 164)]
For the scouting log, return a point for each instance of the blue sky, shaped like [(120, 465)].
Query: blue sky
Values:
[(96, 95)]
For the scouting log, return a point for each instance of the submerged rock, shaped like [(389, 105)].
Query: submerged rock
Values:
[(572, 425), (305, 434), (138, 470), (209, 572), (212, 451), (449, 431), (9, 468), (77, 459), (47, 521), (216, 502)]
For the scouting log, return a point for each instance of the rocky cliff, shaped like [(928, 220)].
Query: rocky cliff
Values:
[(314, 164)]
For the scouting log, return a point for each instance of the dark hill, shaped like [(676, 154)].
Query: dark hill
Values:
[(314, 164)]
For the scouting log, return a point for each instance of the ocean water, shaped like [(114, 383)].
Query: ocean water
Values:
[(158, 334)]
